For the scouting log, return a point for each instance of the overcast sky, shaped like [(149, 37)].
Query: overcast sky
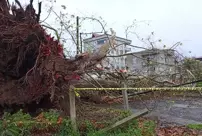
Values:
[(171, 20)]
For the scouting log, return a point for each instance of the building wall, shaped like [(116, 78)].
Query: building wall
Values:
[(117, 62), (152, 63), (110, 62)]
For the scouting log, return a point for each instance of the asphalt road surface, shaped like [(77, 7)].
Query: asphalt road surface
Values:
[(172, 111)]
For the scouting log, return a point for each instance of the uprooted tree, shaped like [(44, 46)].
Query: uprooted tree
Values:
[(32, 63)]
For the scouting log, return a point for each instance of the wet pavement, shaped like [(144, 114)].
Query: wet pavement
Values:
[(172, 111)]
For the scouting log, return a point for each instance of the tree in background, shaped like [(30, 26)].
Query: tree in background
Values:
[(191, 69)]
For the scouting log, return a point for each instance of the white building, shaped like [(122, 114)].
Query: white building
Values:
[(161, 63), (90, 44)]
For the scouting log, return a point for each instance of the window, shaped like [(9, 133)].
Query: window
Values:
[(127, 50), (100, 42), (166, 60), (148, 60), (121, 52), (117, 52)]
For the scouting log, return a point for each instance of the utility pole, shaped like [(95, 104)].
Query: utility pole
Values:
[(81, 42), (77, 35)]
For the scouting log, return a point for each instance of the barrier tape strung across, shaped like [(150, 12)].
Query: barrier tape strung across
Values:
[(143, 89)]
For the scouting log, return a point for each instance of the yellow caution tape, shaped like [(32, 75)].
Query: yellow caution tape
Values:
[(143, 89)]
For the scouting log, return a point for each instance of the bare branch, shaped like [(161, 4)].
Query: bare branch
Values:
[(39, 12), (66, 27), (19, 4)]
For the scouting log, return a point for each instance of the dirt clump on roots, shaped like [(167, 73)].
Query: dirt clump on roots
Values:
[(32, 63)]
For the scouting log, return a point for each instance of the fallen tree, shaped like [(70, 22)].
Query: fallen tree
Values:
[(32, 63)]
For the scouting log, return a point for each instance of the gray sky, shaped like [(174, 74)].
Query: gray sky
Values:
[(171, 20)]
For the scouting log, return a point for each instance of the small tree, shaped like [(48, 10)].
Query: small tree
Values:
[(192, 68)]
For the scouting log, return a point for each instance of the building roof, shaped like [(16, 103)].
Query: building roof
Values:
[(95, 35), (198, 58), (104, 36), (153, 51)]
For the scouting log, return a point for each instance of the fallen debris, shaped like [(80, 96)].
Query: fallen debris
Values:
[(126, 120), (176, 131)]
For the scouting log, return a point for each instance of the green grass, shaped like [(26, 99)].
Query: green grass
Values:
[(195, 126), (20, 124), (132, 129), (199, 84)]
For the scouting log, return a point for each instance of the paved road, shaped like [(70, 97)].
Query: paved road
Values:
[(169, 111)]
